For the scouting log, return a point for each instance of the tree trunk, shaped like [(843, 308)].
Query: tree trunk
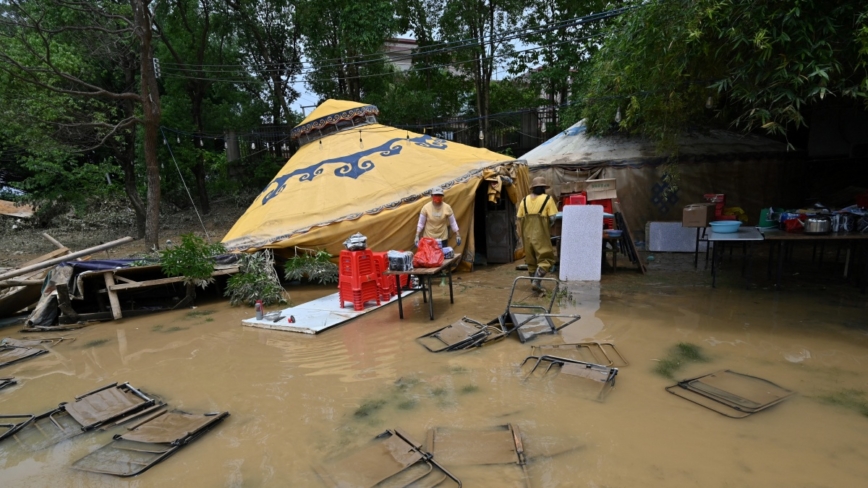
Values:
[(152, 114), (197, 94), (128, 158)]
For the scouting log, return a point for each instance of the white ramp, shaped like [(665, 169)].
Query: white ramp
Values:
[(317, 315)]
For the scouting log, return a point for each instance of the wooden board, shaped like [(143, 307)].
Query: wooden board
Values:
[(628, 237)]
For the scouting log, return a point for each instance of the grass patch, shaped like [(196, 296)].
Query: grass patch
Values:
[(95, 343), (369, 408), (174, 328), (438, 392), (469, 389), (458, 370), (404, 384), (408, 404), (682, 353), (852, 399), (199, 313), (209, 319)]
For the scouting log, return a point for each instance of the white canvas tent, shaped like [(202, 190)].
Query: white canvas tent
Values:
[(753, 172)]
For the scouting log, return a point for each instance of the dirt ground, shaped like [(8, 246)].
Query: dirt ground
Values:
[(21, 240)]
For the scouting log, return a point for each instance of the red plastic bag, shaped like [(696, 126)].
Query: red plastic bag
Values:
[(428, 255)]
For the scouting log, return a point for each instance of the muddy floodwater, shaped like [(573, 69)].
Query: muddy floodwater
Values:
[(296, 400)]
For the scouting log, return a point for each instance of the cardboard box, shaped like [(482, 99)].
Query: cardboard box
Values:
[(697, 215), (601, 189)]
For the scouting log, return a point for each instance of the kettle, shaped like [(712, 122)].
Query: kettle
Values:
[(818, 225)]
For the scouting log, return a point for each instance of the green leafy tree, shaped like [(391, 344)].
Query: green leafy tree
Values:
[(478, 30), (344, 43), (565, 46), (268, 37), (669, 66), (55, 45), (204, 81)]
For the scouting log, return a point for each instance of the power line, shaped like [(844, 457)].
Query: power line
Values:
[(412, 70), (449, 46)]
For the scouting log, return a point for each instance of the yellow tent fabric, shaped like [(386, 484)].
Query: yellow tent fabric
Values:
[(371, 179)]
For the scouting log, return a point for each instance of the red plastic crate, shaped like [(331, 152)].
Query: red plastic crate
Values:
[(575, 200), (608, 223), (369, 292), (386, 284), (356, 268)]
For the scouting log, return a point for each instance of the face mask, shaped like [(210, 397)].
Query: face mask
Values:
[(539, 190), (437, 199)]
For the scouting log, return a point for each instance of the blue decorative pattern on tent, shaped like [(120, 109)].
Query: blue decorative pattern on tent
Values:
[(663, 199), (333, 119), (351, 166)]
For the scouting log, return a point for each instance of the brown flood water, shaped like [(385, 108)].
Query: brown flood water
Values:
[(297, 400)]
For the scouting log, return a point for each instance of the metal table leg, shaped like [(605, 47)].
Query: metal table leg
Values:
[(780, 263), (749, 246), (430, 298), (400, 292), (449, 272), (696, 251), (714, 265)]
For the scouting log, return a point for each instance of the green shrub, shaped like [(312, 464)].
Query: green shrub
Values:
[(317, 267), (193, 260), (257, 280)]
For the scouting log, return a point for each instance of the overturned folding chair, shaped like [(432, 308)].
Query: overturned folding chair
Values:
[(463, 334), (12, 354), (459, 447), (529, 321), (605, 375), (4, 382), (597, 352), (89, 411), (731, 394), (393, 459), (148, 443), (10, 424)]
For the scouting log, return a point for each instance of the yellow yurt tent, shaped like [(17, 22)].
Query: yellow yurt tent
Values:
[(354, 175)]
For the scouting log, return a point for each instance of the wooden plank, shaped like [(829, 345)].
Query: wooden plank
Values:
[(45, 257), (113, 296), (14, 283), (425, 271), (166, 281), (53, 241)]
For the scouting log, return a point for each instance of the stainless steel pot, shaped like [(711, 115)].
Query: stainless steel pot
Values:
[(818, 224)]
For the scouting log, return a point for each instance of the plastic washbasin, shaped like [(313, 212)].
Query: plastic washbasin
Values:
[(725, 226)]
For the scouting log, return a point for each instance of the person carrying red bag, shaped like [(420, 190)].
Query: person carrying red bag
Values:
[(434, 218)]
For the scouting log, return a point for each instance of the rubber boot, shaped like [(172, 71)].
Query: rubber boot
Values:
[(536, 285)]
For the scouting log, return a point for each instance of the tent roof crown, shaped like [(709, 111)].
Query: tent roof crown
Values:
[(334, 116)]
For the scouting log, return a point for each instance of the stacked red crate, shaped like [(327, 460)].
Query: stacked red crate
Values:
[(608, 223), (385, 284), (719, 201), (358, 278)]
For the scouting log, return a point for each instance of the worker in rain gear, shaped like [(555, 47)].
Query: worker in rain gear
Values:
[(536, 214), (434, 218)]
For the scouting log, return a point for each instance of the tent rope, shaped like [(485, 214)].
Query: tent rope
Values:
[(166, 141)]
